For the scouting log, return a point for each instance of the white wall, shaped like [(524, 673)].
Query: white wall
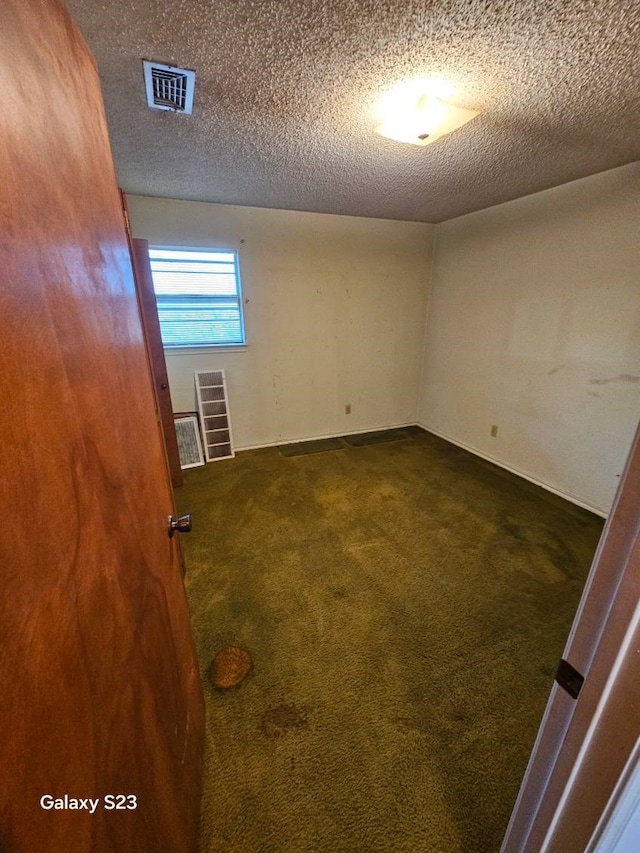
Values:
[(335, 310), (534, 325)]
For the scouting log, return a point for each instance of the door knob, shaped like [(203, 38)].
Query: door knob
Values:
[(182, 524)]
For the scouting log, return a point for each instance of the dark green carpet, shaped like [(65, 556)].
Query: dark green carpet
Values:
[(405, 606)]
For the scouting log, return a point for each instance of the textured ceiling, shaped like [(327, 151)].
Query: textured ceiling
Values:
[(284, 90)]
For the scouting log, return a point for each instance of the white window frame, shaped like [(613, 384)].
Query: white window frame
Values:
[(211, 347)]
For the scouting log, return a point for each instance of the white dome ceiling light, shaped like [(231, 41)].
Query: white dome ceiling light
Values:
[(415, 112)]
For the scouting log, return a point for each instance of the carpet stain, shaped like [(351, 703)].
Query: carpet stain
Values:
[(230, 667), (515, 531), (281, 719)]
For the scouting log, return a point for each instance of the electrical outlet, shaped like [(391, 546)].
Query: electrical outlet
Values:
[(347, 409), (494, 430)]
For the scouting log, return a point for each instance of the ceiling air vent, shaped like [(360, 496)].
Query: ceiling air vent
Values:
[(169, 88)]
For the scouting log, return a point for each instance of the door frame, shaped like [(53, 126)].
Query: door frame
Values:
[(148, 308)]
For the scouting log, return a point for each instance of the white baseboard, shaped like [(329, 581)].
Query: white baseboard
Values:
[(376, 428), (523, 474)]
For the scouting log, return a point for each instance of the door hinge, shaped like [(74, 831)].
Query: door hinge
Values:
[(569, 678)]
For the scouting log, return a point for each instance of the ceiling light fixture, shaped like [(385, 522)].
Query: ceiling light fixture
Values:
[(414, 112)]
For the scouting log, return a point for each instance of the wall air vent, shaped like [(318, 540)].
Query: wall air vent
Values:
[(189, 446), (169, 88), (211, 391)]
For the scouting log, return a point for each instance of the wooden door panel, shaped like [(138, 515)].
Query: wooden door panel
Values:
[(100, 685)]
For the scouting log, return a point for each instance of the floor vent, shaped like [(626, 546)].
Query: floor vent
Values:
[(304, 448), (362, 439), (189, 446), (211, 389), (169, 88)]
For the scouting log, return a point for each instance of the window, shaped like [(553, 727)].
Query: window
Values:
[(198, 295)]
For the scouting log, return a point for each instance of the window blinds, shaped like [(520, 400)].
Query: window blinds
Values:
[(198, 296)]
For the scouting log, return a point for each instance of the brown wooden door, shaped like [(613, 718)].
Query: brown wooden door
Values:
[(99, 686)]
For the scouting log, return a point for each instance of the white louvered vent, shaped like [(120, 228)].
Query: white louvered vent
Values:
[(169, 88), (189, 446), (211, 388)]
